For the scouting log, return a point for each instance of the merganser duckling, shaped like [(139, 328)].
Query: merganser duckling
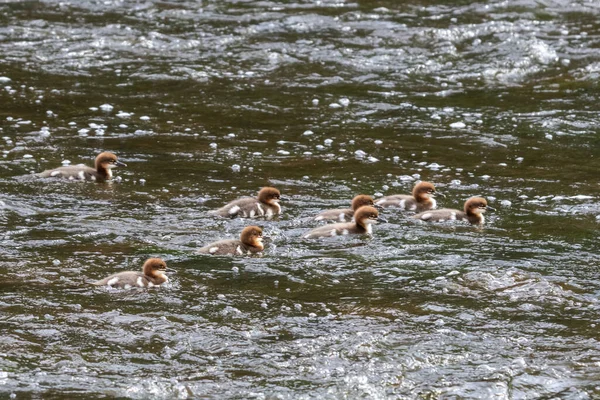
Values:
[(474, 207), (105, 162), (152, 275), (345, 214), (421, 199), (364, 217), (265, 204), (251, 241)]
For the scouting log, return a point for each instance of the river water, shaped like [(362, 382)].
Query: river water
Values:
[(207, 101)]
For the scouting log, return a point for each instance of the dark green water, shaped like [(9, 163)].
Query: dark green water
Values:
[(497, 99)]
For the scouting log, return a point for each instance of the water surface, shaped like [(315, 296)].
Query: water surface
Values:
[(207, 101)]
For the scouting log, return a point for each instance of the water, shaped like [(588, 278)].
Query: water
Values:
[(206, 101)]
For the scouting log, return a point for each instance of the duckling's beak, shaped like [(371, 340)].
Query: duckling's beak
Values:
[(283, 198), (120, 164), (490, 208), (266, 239), (381, 219), (378, 207), (438, 194), (168, 269)]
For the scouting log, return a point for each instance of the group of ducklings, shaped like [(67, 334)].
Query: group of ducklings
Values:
[(355, 220)]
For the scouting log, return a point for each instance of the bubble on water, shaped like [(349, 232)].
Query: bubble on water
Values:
[(50, 113), (372, 159), (312, 315), (221, 296), (406, 178), (93, 108), (360, 154), (123, 114), (27, 156), (83, 132), (503, 164), (26, 122), (45, 131), (145, 118), (66, 163), (72, 123), (416, 176), (378, 141), (455, 182), (434, 166), (106, 107), (335, 105), (548, 136), (283, 152), (235, 270), (257, 154), (315, 102), (344, 102), (385, 188), (308, 133), (231, 135), (485, 177), (458, 125), (236, 168), (320, 147), (4, 79), (307, 153), (264, 305), (123, 126), (213, 145), (298, 307), (142, 181), (328, 142), (519, 159), (396, 159), (506, 203)]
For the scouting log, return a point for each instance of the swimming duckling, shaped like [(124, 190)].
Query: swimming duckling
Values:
[(473, 209), (251, 241), (364, 218), (265, 204), (104, 163), (152, 275)]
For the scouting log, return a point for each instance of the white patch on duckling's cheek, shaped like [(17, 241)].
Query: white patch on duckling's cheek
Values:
[(112, 281)]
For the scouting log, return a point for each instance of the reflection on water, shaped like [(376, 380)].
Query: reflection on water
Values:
[(209, 101)]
